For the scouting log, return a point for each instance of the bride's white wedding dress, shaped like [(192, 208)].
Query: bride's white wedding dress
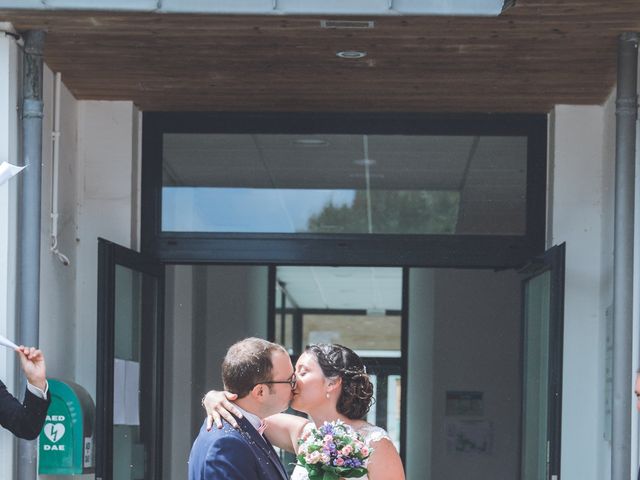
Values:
[(370, 434)]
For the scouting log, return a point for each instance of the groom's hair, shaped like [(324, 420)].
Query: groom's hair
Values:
[(247, 364)]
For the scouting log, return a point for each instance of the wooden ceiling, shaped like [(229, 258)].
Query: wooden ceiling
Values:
[(537, 54)]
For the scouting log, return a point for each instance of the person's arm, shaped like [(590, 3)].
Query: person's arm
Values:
[(25, 420), (384, 462), (283, 429), (34, 367), (218, 406)]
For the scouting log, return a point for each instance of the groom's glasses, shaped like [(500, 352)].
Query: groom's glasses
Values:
[(292, 381)]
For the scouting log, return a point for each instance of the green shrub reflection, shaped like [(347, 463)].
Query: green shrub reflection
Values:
[(408, 211)]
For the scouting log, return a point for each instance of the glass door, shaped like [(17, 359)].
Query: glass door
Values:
[(543, 300), (128, 403), (359, 307)]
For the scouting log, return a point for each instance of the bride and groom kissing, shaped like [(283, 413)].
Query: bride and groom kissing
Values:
[(329, 384)]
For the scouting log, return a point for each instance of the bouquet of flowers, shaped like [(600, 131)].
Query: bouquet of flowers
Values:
[(333, 451)]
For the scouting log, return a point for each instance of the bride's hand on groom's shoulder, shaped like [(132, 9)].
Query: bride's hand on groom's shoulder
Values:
[(218, 406)]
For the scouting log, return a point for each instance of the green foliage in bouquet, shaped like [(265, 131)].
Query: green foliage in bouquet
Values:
[(333, 451)]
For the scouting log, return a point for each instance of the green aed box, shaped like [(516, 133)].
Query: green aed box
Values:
[(66, 441)]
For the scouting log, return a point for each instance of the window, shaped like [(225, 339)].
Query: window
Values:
[(344, 184), (344, 189)]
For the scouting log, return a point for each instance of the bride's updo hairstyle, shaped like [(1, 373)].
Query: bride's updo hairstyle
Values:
[(357, 390)]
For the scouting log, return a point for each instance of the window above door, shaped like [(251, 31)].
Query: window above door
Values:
[(347, 188), (344, 183)]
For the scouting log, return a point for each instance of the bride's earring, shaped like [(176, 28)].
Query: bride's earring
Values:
[(328, 396)]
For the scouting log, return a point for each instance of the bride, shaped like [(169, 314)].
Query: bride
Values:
[(331, 384)]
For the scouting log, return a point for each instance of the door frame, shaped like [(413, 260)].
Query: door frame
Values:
[(109, 255), (553, 261)]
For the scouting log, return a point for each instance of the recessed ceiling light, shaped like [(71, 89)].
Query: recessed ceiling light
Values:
[(347, 24), (365, 161), (311, 142), (363, 175), (351, 54)]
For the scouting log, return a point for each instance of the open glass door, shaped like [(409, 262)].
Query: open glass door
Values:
[(128, 384), (543, 302)]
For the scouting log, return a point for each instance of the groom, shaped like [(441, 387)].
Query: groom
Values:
[(262, 376)]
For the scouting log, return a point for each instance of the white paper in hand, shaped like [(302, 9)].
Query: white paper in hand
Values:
[(5, 342), (7, 171)]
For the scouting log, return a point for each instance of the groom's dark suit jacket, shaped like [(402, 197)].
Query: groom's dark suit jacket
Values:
[(24, 420), (230, 454)]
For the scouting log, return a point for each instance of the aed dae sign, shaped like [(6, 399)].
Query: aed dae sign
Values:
[(66, 440), (54, 430)]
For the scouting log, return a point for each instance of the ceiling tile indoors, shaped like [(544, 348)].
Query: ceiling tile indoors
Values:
[(373, 289), (488, 172)]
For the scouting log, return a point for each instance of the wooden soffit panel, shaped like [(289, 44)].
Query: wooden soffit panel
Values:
[(537, 54)]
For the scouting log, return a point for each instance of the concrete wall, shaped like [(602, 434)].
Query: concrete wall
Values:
[(581, 214), (107, 159), (98, 158), (57, 281), (8, 227)]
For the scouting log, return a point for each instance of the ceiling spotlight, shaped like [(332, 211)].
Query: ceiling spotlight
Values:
[(310, 142), (364, 175), (351, 54), (365, 162)]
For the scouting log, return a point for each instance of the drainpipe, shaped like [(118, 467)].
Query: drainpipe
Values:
[(29, 220), (626, 114)]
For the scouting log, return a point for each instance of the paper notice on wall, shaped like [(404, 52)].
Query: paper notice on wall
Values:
[(132, 395), (471, 437), (7, 171), (464, 403), (126, 392)]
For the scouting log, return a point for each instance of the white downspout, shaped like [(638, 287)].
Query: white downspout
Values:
[(55, 143)]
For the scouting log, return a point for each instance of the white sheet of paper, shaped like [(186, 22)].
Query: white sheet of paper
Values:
[(126, 392), (132, 393), (7, 171), (119, 391), (5, 342)]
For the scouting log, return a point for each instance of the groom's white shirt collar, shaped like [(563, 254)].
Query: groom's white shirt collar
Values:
[(254, 420)]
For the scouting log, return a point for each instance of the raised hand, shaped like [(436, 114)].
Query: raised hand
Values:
[(33, 365), (218, 405)]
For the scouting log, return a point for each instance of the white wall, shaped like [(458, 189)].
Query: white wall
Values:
[(96, 199), (105, 202), (8, 213), (477, 347), (582, 216), (57, 282)]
